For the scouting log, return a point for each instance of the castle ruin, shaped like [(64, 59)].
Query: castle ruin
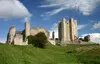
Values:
[(20, 37), (67, 32)]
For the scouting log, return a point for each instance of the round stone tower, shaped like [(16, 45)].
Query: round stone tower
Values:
[(27, 29), (11, 34), (62, 30)]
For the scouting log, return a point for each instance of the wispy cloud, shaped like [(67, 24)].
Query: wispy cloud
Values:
[(96, 25), (84, 6), (13, 9), (53, 12), (81, 26)]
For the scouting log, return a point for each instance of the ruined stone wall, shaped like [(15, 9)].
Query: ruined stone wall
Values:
[(36, 30), (64, 29), (11, 35), (27, 29), (59, 30), (53, 35), (76, 30), (73, 31), (18, 39), (68, 30)]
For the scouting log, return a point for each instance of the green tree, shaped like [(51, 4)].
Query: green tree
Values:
[(39, 40), (30, 39)]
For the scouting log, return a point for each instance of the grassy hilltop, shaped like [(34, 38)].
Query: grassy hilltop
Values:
[(71, 54)]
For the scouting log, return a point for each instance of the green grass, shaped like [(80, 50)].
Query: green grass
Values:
[(11, 54), (86, 54), (70, 54)]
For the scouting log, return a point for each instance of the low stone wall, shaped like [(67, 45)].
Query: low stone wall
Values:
[(20, 43), (52, 42)]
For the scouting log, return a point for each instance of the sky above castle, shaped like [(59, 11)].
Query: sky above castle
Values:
[(47, 13)]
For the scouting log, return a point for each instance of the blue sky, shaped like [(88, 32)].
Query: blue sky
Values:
[(47, 13)]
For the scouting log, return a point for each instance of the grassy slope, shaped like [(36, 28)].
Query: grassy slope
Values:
[(72, 54), (86, 54), (10, 54)]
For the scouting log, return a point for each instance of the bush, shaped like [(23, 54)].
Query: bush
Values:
[(39, 40), (30, 39), (87, 38)]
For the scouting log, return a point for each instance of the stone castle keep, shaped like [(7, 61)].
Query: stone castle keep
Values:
[(67, 32)]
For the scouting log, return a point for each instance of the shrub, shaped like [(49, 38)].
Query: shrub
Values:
[(39, 40), (87, 38), (30, 39)]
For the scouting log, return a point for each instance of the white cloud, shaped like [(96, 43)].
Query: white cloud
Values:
[(86, 7), (96, 25), (2, 40), (81, 26), (27, 19), (94, 37), (55, 29), (13, 9), (54, 11)]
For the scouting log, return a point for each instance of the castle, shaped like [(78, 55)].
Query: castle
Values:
[(67, 32), (20, 37)]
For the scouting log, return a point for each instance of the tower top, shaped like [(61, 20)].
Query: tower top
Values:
[(59, 22), (64, 19), (11, 27), (72, 18), (27, 22)]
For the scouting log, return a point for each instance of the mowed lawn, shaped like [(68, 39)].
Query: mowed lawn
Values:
[(70, 54)]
